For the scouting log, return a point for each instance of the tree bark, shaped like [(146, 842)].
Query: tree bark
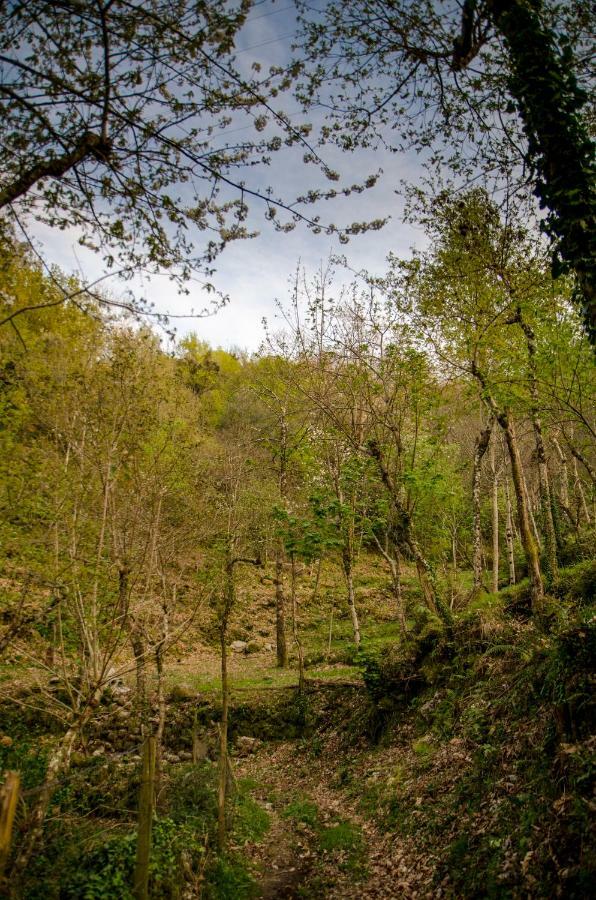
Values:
[(90, 145), (550, 541), (280, 612), (495, 516), (394, 561), (509, 534), (295, 630), (563, 480), (560, 148), (58, 766), (280, 600), (579, 492), (223, 740), (349, 576), (480, 448), (403, 537), (527, 538)]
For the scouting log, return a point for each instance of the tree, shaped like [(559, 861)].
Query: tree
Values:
[(489, 86), (482, 276), (282, 432), (358, 367), (116, 119)]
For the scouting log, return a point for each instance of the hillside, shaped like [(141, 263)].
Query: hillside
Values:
[(313, 622)]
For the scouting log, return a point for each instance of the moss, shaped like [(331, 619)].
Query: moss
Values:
[(576, 583)]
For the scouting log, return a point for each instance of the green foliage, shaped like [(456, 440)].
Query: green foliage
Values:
[(302, 810), (560, 148), (577, 583), (345, 837), (192, 795), (250, 821), (228, 879), (28, 758), (107, 871)]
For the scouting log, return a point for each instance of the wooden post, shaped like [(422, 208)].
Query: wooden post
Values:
[(9, 797), (195, 739), (146, 804)]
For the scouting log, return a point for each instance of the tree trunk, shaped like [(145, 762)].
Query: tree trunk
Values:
[(139, 649), (579, 492), (527, 538), (509, 534), (280, 612), (394, 561), (480, 447), (223, 741), (550, 542), (403, 537), (160, 649), (561, 151), (347, 567), (495, 516), (395, 566), (563, 498), (58, 766), (280, 601), (295, 631)]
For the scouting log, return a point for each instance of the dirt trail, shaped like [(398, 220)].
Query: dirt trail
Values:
[(293, 861)]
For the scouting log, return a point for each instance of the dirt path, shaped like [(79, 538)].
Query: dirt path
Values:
[(319, 844)]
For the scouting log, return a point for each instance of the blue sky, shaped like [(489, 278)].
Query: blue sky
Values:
[(255, 273)]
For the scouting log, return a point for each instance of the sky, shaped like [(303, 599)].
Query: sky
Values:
[(256, 273)]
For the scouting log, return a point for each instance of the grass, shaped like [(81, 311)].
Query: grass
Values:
[(250, 821), (301, 810), (342, 839)]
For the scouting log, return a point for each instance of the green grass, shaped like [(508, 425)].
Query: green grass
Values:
[(250, 821), (345, 839), (302, 810)]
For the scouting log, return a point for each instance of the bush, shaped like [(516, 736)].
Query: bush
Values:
[(576, 583), (107, 871)]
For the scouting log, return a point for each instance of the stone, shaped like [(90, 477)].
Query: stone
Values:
[(238, 646), (180, 693), (268, 648), (246, 745)]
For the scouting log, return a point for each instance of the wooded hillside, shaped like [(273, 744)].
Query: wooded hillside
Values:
[(356, 568)]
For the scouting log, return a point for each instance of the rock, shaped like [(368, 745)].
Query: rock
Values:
[(268, 648), (238, 633), (246, 745), (238, 646), (186, 755), (180, 694)]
